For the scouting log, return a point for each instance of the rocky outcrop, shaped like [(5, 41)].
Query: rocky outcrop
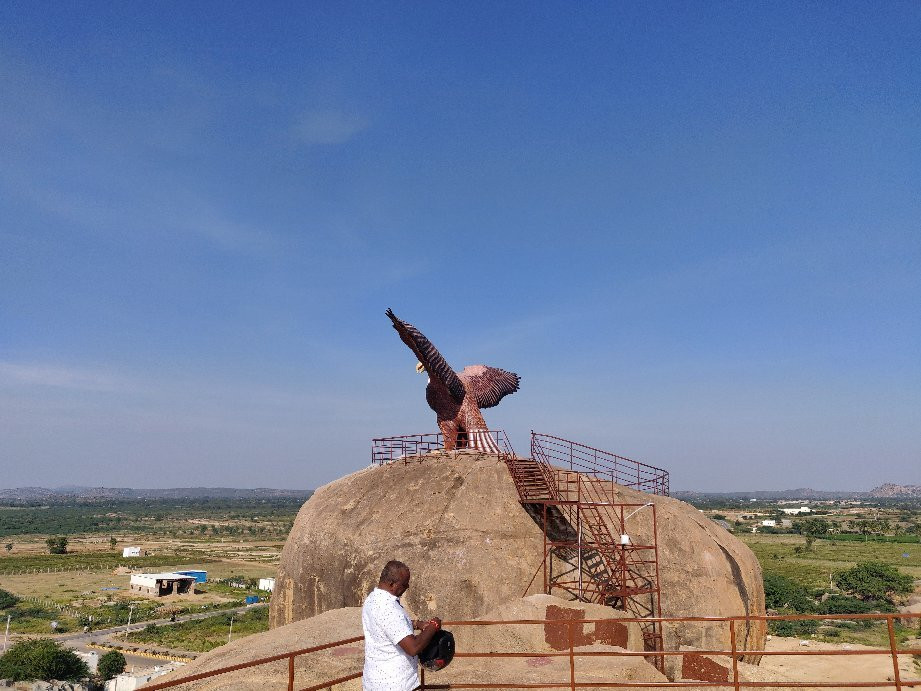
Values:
[(891, 490), (456, 520)]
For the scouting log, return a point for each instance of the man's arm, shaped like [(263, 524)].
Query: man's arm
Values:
[(413, 644)]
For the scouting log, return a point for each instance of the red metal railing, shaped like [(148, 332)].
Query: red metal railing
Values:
[(603, 465), (388, 449), (570, 651), (289, 656)]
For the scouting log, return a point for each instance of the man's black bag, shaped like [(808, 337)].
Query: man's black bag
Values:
[(439, 652)]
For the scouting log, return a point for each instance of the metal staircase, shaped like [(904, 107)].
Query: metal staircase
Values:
[(588, 552), (570, 490)]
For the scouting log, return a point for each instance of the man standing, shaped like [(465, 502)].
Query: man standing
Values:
[(391, 648)]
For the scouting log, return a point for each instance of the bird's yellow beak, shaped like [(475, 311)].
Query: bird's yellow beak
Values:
[(420, 368)]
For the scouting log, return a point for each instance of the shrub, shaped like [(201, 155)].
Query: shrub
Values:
[(843, 604), (110, 665), (41, 658), (7, 600), (873, 580), (57, 544), (781, 592), (793, 628)]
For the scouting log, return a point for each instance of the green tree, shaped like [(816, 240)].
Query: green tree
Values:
[(57, 544), (864, 527), (782, 593), (110, 665), (112, 542), (9, 546), (7, 599), (811, 527), (41, 658), (873, 580)]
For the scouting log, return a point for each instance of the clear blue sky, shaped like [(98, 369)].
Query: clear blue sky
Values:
[(694, 229)]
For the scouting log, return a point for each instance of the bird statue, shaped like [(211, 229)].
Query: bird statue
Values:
[(455, 397)]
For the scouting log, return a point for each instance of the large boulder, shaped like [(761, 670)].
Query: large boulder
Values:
[(455, 519)]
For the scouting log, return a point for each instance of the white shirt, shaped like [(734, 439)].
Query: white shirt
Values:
[(387, 666)]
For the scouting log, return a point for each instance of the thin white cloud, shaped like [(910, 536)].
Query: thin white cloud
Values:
[(327, 127), (56, 376), (96, 182)]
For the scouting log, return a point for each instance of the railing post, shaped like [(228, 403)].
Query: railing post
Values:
[(735, 659), (422, 678), (546, 588), (895, 657), (291, 673), (572, 658)]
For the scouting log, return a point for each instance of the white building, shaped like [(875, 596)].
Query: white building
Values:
[(160, 584), (769, 523), (797, 512), (132, 552), (267, 584)]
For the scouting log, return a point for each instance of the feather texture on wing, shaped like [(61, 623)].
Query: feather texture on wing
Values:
[(436, 366), (489, 385)]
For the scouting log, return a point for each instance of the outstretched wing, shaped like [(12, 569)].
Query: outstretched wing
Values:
[(437, 367), (489, 384)]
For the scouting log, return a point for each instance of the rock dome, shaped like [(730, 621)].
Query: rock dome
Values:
[(455, 519)]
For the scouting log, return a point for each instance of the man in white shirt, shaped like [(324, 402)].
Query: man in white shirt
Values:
[(391, 648)]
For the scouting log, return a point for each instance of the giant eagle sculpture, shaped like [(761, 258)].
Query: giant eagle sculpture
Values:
[(455, 397)]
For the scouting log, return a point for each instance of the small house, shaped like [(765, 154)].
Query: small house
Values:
[(162, 584)]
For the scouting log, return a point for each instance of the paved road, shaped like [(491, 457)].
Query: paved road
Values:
[(99, 633), (79, 640)]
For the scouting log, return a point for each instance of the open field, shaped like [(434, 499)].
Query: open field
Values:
[(66, 587), (88, 586), (815, 567)]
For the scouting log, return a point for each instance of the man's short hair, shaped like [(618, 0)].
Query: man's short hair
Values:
[(393, 571)]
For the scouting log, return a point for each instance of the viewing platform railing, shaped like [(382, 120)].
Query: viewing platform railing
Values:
[(389, 449), (603, 465), (725, 675)]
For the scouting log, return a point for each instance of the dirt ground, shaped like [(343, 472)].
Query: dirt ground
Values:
[(75, 585), (832, 668)]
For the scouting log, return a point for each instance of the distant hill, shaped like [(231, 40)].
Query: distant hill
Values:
[(890, 490), (71, 493), (886, 491)]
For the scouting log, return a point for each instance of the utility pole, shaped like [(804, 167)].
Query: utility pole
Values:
[(6, 638), (230, 633), (130, 612)]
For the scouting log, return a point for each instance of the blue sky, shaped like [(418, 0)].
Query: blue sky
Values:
[(693, 230)]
